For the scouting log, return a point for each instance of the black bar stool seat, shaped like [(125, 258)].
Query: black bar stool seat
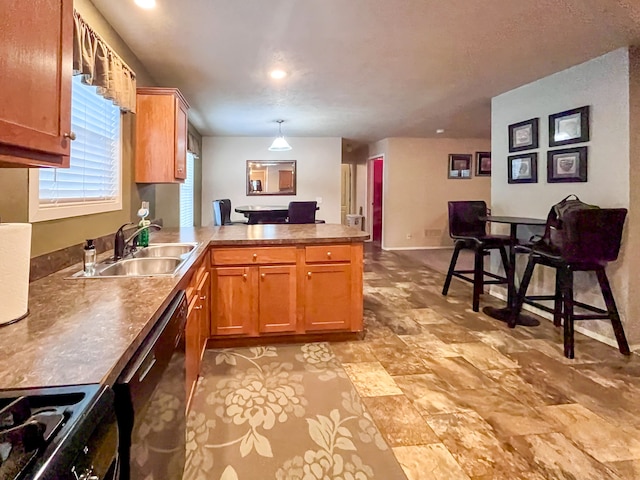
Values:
[(591, 239)]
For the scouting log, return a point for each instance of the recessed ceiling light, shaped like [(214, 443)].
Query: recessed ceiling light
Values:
[(278, 74), (146, 3), (440, 130)]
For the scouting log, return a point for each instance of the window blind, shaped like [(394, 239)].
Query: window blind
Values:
[(186, 195), (94, 172)]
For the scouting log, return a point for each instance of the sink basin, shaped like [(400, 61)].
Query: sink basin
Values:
[(180, 250), (140, 267)]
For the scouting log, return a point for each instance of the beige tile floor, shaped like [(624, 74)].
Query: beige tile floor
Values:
[(458, 395)]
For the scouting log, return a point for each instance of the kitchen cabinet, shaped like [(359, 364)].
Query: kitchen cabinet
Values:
[(35, 85), (161, 135), (330, 300), (254, 290), (286, 290), (197, 326)]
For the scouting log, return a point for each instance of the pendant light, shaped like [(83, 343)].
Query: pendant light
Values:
[(279, 143)]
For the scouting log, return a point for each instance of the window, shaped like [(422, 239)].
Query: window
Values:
[(186, 195), (92, 183)]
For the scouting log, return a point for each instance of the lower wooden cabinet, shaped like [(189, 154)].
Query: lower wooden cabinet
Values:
[(197, 326), (286, 290)]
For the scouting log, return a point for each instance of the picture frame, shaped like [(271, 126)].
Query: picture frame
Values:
[(459, 165), (570, 126), (523, 135), (522, 168), (483, 164), (567, 165)]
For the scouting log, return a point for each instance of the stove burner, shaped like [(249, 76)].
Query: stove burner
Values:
[(23, 431)]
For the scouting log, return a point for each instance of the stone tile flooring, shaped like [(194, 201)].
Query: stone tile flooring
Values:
[(458, 395)]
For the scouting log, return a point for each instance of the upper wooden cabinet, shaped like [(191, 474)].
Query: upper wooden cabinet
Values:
[(36, 50), (161, 136)]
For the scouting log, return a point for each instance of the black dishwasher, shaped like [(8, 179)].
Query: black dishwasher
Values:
[(151, 400)]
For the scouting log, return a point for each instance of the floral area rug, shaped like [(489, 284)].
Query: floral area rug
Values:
[(284, 412)]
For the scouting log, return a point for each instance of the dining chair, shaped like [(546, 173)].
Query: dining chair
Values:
[(467, 226), (222, 213), (591, 239), (303, 212)]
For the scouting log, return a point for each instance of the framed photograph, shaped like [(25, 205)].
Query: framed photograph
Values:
[(571, 126), (523, 168), (567, 165), (523, 135), (483, 164), (459, 166)]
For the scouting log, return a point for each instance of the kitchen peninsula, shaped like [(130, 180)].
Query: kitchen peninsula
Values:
[(265, 281)]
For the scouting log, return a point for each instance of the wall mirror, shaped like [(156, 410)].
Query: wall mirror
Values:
[(271, 177)]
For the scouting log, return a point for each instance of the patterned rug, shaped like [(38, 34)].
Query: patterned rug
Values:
[(284, 412)]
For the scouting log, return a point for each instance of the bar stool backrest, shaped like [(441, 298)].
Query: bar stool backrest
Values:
[(467, 219), (592, 235)]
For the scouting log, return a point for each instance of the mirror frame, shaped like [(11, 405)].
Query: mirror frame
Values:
[(289, 192)]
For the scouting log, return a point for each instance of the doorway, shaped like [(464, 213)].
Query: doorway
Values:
[(345, 189), (374, 173)]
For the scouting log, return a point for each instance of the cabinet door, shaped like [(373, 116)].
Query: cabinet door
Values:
[(233, 306), (180, 166), (277, 303), (36, 64), (204, 296), (192, 347), (327, 297)]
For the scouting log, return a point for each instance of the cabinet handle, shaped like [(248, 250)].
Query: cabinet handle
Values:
[(244, 275), (328, 254), (70, 135), (199, 307), (180, 170), (309, 274), (255, 256), (263, 275), (203, 297)]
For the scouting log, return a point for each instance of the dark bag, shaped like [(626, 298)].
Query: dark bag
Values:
[(555, 235)]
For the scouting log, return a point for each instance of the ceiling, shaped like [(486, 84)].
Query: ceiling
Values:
[(363, 70)]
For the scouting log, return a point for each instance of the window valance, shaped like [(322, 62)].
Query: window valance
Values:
[(193, 145), (100, 66)]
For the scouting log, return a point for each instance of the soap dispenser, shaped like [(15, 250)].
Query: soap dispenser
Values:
[(143, 237), (89, 258)]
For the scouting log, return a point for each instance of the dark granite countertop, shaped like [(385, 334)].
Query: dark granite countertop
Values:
[(82, 331)]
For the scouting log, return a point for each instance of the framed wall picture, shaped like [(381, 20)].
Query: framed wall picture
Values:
[(483, 164), (523, 168), (567, 165), (570, 126), (459, 165), (523, 135)]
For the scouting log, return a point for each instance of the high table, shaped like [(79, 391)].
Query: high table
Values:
[(264, 213), (503, 314)]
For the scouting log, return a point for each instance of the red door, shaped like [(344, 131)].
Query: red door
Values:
[(376, 224)]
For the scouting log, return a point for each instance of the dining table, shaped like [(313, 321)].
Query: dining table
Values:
[(264, 213), (504, 313)]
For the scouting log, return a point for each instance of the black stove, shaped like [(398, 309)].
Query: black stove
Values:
[(58, 433)]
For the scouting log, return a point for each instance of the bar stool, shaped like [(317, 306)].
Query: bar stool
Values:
[(467, 226), (590, 239)]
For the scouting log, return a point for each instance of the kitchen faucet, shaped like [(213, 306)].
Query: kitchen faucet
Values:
[(119, 242)]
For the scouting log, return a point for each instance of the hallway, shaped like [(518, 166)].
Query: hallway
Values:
[(458, 395)]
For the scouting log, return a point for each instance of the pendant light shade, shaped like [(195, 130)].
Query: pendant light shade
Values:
[(279, 143)]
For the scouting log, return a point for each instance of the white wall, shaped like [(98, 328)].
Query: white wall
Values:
[(603, 84), (416, 188), (318, 172)]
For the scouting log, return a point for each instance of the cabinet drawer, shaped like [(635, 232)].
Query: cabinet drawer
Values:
[(328, 253), (253, 256)]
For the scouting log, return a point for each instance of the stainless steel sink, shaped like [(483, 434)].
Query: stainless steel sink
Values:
[(158, 259), (140, 267), (179, 250)]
